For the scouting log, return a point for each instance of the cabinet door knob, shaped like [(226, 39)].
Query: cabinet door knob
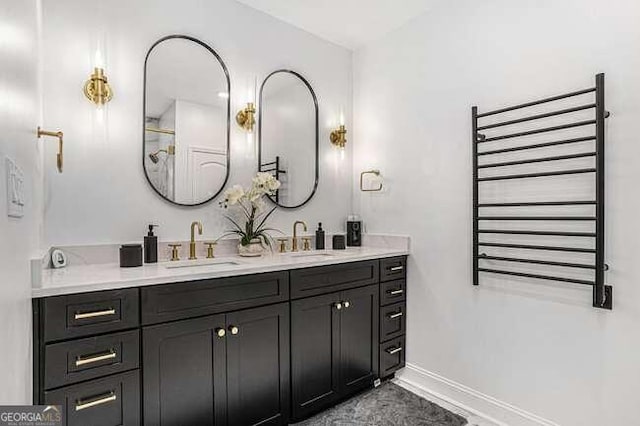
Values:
[(347, 304), (220, 332), (338, 306), (234, 330)]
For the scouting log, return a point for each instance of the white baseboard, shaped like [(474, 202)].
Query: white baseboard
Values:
[(478, 408)]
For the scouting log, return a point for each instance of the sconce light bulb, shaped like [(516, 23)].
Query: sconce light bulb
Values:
[(98, 60)]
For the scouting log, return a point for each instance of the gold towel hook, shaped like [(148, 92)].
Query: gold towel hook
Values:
[(58, 135)]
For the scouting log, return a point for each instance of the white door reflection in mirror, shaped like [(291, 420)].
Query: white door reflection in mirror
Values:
[(186, 121), (288, 132)]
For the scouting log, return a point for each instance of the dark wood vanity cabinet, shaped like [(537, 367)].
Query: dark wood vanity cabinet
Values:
[(183, 362), (393, 320), (217, 370), (334, 347), (251, 350)]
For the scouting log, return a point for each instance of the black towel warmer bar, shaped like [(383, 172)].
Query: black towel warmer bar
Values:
[(274, 167), (602, 294)]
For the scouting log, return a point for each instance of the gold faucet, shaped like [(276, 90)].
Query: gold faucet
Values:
[(294, 243), (192, 244)]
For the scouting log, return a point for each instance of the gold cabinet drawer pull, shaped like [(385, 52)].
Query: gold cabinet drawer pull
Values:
[(392, 351), (95, 358), (396, 315), (396, 268), (94, 314), (82, 405), (395, 292)]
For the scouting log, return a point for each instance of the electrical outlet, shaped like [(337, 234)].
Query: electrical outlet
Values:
[(15, 189)]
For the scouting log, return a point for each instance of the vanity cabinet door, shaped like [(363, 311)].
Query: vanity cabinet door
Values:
[(184, 373), (258, 366), (315, 353), (358, 339)]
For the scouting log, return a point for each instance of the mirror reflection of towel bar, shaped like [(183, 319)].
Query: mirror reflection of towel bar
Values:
[(369, 172), (155, 130)]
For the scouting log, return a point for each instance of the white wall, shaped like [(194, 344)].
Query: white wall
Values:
[(19, 116), (540, 347), (103, 196)]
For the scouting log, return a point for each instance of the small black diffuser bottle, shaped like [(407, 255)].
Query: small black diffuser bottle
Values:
[(151, 246), (320, 237)]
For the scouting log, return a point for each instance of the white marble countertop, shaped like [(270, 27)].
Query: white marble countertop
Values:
[(96, 277)]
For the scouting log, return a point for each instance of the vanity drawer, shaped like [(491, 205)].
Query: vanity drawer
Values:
[(112, 401), (327, 279), (171, 302), (78, 315), (79, 360), (393, 291), (392, 321), (393, 268), (391, 356)]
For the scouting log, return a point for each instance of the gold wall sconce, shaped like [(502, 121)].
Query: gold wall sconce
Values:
[(338, 136), (370, 172), (97, 88), (246, 117), (60, 136)]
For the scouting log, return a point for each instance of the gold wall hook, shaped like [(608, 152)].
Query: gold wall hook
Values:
[(58, 135), (369, 172), (338, 136), (246, 117), (97, 88)]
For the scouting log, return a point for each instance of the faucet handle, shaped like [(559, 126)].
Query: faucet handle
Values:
[(306, 243), (283, 244), (210, 245), (175, 254)]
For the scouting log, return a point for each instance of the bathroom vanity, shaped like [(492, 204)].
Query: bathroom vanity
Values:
[(239, 348)]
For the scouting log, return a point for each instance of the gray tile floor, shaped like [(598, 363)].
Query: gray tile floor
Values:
[(387, 405)]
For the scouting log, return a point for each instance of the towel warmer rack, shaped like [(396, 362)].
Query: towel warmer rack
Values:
[(602, 293), (274, 167)]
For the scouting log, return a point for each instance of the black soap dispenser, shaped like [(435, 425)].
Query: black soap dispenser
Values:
[(319, 237), (151, 246)]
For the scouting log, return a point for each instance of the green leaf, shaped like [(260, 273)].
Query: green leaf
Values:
[(265, 218), (235, 223)]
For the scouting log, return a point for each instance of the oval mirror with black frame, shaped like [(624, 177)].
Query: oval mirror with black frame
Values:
[(288, 136), (186, 110)]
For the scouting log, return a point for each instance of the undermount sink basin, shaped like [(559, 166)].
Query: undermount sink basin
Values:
[(210, 264), (313, 255)]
